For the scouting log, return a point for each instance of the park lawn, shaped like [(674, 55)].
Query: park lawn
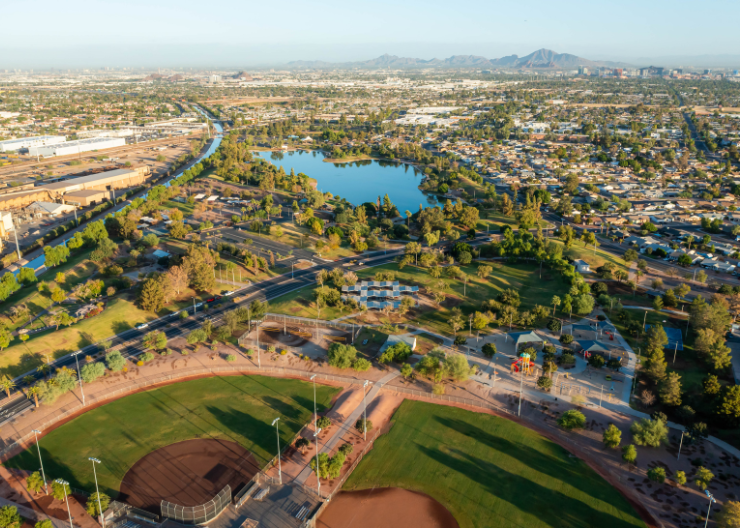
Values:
[(235, 408), (301, 303), (186, 208), (492, 221), (595, 259), (120, 314), (489, 471)]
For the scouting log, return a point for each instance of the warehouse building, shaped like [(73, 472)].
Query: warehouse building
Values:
[(75, 147), (103, 183), (13, 145)]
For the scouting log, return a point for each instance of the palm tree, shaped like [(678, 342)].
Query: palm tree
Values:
[(33, 392), (43, 369), (7, 384)]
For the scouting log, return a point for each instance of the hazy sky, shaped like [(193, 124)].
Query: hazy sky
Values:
[(72, 33)]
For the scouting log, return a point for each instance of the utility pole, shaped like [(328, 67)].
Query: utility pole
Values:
[(15, 235), (521, 389)]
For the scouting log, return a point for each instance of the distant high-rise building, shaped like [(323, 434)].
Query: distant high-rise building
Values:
[(707, 72), (582, 70)]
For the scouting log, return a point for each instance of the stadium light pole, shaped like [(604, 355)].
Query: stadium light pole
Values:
[(79, 376), (318, 477), (711, 500), (95, 474), (36, 433), (315, 415), (364, 404), (64, 485), (280, 465)]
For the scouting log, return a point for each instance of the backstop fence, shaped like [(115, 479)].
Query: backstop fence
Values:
[(202, 514)]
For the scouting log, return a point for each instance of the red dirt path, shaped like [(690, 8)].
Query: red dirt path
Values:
[(188, 473), (386, 507)]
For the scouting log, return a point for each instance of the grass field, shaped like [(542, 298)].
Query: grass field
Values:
[(489, 471), (236, 408)]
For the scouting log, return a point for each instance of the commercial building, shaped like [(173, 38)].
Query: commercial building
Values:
[(75, 147), (379, 294), (12, 145), (104, 183), (106, 132)]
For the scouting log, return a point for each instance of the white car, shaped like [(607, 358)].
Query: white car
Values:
[(229, 293), (142, 326)]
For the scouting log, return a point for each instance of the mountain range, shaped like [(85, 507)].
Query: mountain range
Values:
[(540, 59)]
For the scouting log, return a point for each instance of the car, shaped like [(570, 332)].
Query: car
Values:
[(362, 263), (211, 300), (142, 326), (229, 293)]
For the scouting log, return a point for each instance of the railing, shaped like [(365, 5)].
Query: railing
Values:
[(444, 397)]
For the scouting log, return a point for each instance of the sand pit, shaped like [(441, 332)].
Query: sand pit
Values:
[(187, 473), (387, 507)]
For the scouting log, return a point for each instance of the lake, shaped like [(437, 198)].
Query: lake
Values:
[(358, 181)]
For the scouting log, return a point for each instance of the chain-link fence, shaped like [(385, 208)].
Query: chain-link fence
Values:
[(198, 514)]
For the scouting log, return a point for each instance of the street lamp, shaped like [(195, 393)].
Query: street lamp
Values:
[(711, 500), (364, 403), (36, 433), (315, 415), (280, 465), (318, 477), (194, 309), (79, 377), (64, 485), (95, 474)]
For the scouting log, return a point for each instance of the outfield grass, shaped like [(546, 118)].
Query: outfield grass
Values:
[(236, 408), (489, 471)]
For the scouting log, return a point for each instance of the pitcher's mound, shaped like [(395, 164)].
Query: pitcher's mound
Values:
[(386, 507), (188, 473)]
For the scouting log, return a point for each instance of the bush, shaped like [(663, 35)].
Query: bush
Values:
[(651, 433), (230, 358), (341, 356), (146, 357), (554, 325), (566, 339), (680, 478), (567, 359), (9, 517), (115, 361), (572, 419), (596, 361), (183, 314), (92, 371), (656, 474), (629, 454), (361, 365), (544, 382), (362, 425), (324, 422), (438, 389), (460, 340), (489, 350)]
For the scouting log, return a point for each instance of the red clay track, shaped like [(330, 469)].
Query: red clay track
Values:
[(386, 507), (188, 473)]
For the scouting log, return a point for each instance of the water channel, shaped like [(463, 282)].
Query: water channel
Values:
[(358, 181)]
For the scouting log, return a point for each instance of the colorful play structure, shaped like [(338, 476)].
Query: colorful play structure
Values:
[(523, 364)]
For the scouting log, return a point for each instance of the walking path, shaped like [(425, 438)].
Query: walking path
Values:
[(348, 424), (34, 516)]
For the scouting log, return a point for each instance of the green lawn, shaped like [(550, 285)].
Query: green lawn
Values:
[(236, 408), (489, 471)]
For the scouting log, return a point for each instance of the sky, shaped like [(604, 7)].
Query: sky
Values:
[(238, 33)]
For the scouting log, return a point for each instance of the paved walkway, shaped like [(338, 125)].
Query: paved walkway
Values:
[(348, 424), (34, 516)]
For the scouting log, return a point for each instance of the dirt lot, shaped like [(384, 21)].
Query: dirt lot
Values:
[(389, 507), (187, 473), (313, 341)]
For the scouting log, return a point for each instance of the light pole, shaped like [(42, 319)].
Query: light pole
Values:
[(194, 308), (79, 378), (280, 465), (64, 485), (521, 389), (318, 477), (680, 445), (315, 415), (364, 411), (36, 433), (95, 474), (711, 500)]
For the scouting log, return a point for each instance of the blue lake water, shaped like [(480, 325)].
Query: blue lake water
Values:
[(357, 181)]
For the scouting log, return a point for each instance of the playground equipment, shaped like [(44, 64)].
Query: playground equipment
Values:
[(524, 364)]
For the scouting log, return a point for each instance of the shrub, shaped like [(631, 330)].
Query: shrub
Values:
[(183, 314), (460, 340), (567, 359), (115, 361), (566, 339), (363, 425), (703, 478), (92, 371), (283, 352), (680, 478), (629, 454), (612, 436), (140, 363), (554, 325), (596, 361), (438, 389), (651, 433), (230, 358), (341, 356), (489, 350), (656, 474), (324, 422), (146, 357), (572, 419), (544, 383), (361, 365)]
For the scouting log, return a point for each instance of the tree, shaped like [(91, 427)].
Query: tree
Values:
[(630, 255), (729, 517), (361, 365), (572, 419), (730, 406), (34, 392), (555, 303), (62, 318), (177, 279), (9, 517), (341, 356), (152, 294), (629, 454), (363, 425), (92, 371), (670, 390), (703, 478), (612, 436), (59, 491), (196, 337), (58, 295), (544, 383), (93, 508), (680, 478), (484, 271), (457, 367), (658, 304), (34, 482), (7, 385), (583, 304), (489, 350), (199, 264), (651, 433), (115, 361), (407, 371), (323, 423), (155, 340), (657, 474)]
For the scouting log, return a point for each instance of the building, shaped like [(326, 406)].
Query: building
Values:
[(12, 145), (76, 147), (582, 266), (395, 339), (103, 181), (48, 209), (379, 294), (86, 197)]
